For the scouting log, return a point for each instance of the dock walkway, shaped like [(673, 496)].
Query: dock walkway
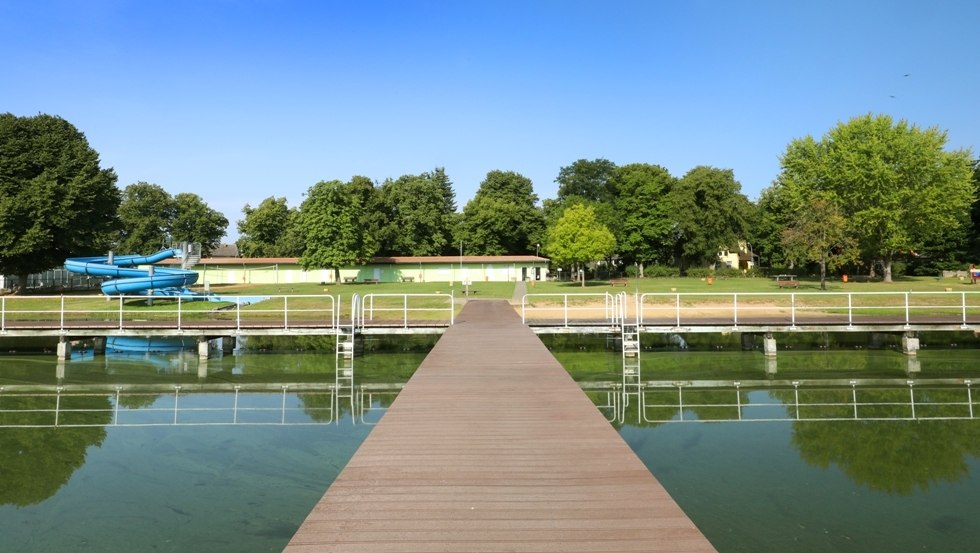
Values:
[(492, 447)]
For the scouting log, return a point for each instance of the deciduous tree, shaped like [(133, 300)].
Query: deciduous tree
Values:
[(269, 230), (819, 232), (334, 219), (579, 238), (645, 232), (710, 215), (195, 222), (898, 186), (502, 218), (55, 199), (418, 214)]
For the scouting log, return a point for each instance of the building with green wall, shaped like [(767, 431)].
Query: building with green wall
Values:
[(286, 270)]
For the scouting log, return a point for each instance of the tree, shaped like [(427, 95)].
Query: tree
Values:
[(645, 233), (502, 218), (578, 238), (772, 214), (586, 179), (146, 212), (333, 218), (418, 212), (710, 215), (269, 230), (820, 233), (898, 187), (195, 222), (55, 199)]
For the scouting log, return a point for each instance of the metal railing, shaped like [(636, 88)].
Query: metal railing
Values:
[(290, 407), (65, 313), (399, 309), (801, 308), (568, 308), (679, 402)]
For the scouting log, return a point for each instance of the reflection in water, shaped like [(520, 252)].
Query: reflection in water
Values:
[(37, 461), (909, 456)]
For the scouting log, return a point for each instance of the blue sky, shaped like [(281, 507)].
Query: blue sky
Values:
[(239, 100)]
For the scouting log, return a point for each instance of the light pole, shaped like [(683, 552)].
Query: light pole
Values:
[(537, 249)]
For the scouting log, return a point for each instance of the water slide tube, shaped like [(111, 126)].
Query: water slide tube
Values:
[(127, 279)]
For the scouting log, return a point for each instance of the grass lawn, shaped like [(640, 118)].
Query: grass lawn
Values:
[(697, 291)]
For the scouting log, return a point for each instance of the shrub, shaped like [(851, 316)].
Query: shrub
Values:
[(699, 272), (661, 271)]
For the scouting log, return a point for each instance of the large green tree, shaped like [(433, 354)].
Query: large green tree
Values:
[(579, 238), (419, 213), (898, 186), (645, 232), (153, 219), (503, 217), (55, 199), (710, 214), (146, 212), (196, 222), (335, 219), (270, 230), (587, 179)]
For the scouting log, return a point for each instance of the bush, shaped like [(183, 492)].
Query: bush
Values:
[(727, 272), (632, 271), (699, 272), (661, 271)]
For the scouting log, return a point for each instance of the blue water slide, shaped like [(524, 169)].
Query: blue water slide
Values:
[(127, 279)]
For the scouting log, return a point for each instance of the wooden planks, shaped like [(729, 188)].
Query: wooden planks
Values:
[(492, 447)]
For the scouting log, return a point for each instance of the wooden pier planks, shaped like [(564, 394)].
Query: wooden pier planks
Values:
[(492, 447)]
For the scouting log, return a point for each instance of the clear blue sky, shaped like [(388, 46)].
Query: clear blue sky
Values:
[(239, 100)]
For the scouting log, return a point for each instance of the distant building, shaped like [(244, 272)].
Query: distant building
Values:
[(743, 259), (286, 270)]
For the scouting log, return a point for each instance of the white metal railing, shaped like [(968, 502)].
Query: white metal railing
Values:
[(65, 409), (398, 308), (64, 313), (661, 402), (569, 308), (841, 404), (678, 309)]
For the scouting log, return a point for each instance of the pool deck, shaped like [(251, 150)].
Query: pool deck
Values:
[(492, 447)]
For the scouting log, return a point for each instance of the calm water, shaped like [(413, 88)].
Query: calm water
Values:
[(848, 486), (861, 486), (134, 481)]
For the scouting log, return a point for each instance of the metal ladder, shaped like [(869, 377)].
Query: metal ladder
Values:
[(192, 255), (630, 339), (346, 349)]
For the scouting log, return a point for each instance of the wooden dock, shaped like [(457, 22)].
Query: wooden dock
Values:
[(492, 447)]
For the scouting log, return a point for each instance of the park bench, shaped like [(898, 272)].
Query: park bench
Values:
[(408, 279), (619, 282), (350, 280), (371, 281), (787, 281)]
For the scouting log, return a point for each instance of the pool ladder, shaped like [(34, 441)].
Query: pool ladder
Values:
[(632, 385)]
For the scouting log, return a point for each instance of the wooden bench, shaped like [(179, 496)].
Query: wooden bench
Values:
[(788, 283), (408, 279), (350, 280), (619, 282), (371, 281)]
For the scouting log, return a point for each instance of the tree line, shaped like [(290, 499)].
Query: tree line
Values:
[(871, 195)]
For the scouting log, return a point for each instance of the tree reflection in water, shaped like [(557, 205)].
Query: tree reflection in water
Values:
[(42, 460)]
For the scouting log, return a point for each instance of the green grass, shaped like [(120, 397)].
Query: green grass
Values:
[(890, 297)]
